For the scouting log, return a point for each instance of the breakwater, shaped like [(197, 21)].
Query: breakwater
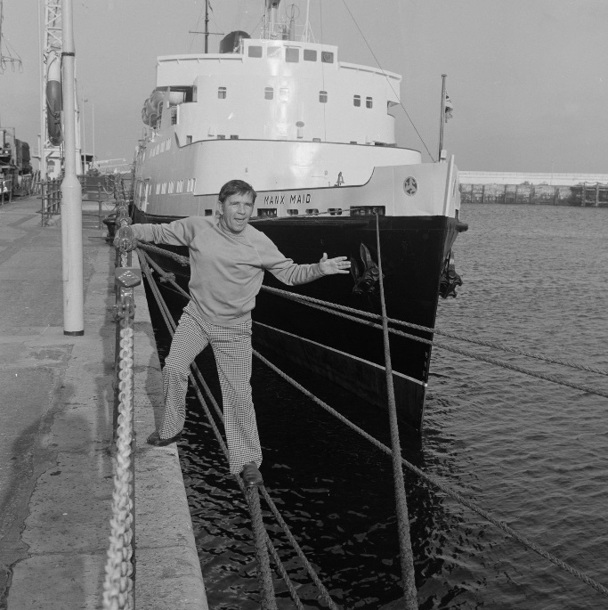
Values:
[(573, 189), (581, 195)]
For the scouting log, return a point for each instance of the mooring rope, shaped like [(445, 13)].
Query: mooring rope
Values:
[(531, 545), (338, 309), (182, 260), (438, 484), (260, 535), (118, 585), (330, 307), (403, 522)]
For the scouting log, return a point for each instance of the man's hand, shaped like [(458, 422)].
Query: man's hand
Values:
[(331, 266), (124, 239)]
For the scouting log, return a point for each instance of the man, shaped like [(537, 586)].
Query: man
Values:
[(227, 261)]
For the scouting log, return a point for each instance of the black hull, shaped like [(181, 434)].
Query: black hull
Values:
[(414, 251)]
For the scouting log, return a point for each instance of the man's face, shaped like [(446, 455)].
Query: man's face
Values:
[(236, 211)]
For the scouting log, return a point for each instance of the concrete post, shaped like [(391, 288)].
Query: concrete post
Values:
[(71, 201)]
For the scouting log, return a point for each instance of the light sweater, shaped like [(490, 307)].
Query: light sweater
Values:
[(226, 269)]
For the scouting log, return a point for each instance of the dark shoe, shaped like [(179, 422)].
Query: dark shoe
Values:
[(251, 476), (157, 441)]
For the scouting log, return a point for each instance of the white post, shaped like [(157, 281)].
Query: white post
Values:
[(71, 194)]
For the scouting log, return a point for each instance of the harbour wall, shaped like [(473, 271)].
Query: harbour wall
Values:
[(582, 190)]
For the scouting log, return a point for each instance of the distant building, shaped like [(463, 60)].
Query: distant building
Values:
[(553, 179), (534, 188)]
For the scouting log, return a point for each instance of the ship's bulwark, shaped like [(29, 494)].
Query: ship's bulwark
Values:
[(348, 353)]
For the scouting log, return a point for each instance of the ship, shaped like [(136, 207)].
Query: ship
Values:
[(315, 137)]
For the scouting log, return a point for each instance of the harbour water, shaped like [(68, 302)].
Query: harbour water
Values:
[(530, 452)]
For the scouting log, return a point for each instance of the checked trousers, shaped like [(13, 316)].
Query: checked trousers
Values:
[(232, 351)]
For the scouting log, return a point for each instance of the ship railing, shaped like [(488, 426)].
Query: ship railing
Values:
[(371, 319)]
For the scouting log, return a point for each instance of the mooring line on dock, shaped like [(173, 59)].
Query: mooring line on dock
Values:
[(262, 540), (526, 542), (403, 520), (438, 484), (330, 307), (118, 587)]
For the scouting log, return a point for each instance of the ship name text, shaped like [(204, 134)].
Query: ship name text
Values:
[(287, 199)]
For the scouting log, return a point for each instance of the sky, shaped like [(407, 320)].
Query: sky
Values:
[(528, 79)]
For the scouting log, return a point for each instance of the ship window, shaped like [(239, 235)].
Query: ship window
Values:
[(188, 139), (233, 137), (173, 115), (312, 211), (323, 97), (208, 212), (293, 212), (171, 187), (221, 93), (274, 51), (180, 186), (310, 55), (316, 139), (163, 189), (369, 102), (335, 211), (357, 101), (327, 57), (265, 212), (162, 147), (292, 55), (221, 136), (268, 93), (193, 184), (158, 189), (254, 51)]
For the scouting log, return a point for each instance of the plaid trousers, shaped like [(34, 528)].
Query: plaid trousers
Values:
[(232, 350)]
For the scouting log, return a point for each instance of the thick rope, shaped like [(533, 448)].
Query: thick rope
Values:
[(439, 485), (358, 312), (118, 585), (488, 359), (403, 522), (268, 600), (428, 478), (261, 539)]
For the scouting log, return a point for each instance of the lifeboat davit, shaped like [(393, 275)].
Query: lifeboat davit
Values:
[(54, 102)]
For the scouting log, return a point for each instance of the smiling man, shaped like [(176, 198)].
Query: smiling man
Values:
[(228, 258)]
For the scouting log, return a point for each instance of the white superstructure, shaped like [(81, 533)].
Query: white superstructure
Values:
[(314, 135)]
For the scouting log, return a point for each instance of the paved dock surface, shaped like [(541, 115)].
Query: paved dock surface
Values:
[(56, 406)]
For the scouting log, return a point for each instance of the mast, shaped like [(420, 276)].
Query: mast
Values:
[(441, 155), (206, 26)]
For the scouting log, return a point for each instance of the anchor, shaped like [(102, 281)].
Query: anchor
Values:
[(365, 274)]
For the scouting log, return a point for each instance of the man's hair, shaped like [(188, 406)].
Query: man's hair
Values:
[(236, 187)]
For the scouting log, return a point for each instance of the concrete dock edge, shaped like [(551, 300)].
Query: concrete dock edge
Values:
[(56, 478)]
